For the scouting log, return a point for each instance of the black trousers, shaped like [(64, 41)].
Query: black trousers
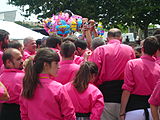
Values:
[(10, 112)]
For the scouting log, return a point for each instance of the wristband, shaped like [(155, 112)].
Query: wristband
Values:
[(122, 114)]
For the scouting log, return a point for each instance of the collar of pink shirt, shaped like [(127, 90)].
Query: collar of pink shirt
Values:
[(43, 78), (13, 70), (114, 41), (158, 58), (55, 49), (148, 57), (66, 62), (29, 52)]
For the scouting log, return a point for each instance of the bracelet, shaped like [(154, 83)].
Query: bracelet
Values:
[(122, 114)]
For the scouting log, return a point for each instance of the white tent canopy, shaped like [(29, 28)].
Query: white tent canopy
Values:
[(18, 32)]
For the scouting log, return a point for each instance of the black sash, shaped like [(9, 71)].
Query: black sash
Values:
[(83, 114), (136, 102), (112, 91), (10, 112)]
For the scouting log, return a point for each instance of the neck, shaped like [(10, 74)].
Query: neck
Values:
[(69, 58)]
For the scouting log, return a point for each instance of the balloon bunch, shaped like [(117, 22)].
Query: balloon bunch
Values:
[(62, 24), (100, 29)]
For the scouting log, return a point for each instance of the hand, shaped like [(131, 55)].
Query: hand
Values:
[(92, 24), (87, 54), (122, 117)]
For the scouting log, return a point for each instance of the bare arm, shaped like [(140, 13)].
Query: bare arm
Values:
[(88, 39), (124, 101), (5, 95), (154, 110)]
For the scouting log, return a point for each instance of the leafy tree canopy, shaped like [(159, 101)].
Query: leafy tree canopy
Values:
[(127, 12)]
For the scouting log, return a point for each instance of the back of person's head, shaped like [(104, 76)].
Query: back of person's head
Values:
[(156, 32), (53, 41), (138, 48), (3, 34), (150, 45), (132, 44), (81, 44), (86, 73), (15, 44), (67, 49), (4, 39), (114, 33), (138, 52), (96, 42), (38, 43), (34, 67), (72, 38)]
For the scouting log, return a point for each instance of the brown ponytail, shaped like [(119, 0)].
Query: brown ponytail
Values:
[(84, 75)]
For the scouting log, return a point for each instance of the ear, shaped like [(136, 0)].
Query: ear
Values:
[(142, 49), (58, 46), (8, 63), (79, 49), (45, 65)]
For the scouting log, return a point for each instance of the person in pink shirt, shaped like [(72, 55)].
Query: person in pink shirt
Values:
[(13, 44), (17, 45), (154, 102), (140, 78), (67, 64), (12, 77), (29, 47), (3, 92), (86, 97), (4, 40), (43, 98), (54, 43), (77, 59), (81, 51), (111, 60)]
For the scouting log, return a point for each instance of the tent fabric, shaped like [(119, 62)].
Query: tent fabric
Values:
[(18, 32)]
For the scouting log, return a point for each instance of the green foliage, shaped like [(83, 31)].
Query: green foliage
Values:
[(111, 12)]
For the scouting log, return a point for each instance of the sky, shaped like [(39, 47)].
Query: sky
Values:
[(5, 7)]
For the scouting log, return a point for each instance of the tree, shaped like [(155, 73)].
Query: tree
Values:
[(138, 13)]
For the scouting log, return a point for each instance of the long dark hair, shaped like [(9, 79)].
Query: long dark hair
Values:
[(84, 75), (35, 67)]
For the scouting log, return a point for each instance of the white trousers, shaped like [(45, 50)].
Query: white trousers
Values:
[(137, 115)]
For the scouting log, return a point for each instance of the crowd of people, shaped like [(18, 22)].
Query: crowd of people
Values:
[(79, 78)]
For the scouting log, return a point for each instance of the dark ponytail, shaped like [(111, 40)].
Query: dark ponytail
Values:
[(84, 75), (35, 67)]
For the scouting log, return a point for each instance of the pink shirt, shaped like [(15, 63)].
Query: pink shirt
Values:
[(158, 60), (111, 60), (50, 102), (67, 71), (58, 52), (155, 97), (2, 68), (91, 100), (27, 54), (141, 75), (1, 61), (78, 60), (12, 80)]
